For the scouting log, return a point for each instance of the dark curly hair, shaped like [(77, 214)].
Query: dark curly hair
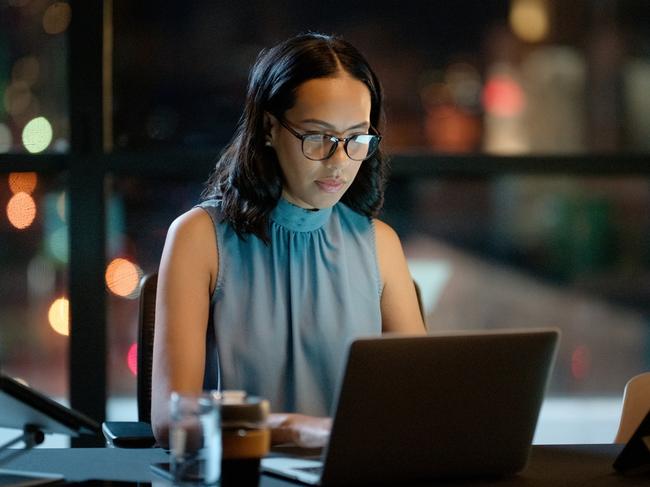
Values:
[(247, 178)]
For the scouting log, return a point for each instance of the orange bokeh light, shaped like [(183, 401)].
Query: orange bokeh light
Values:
[(59, 316), (57, 18), (24, 182), (122, 277), (21, 210)]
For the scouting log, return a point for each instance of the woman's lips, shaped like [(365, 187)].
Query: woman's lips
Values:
[(330, 185)]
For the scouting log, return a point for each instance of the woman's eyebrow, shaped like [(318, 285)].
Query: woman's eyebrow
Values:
[(314, 121)]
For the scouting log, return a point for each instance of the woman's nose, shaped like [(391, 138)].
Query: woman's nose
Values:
[(339, 158)]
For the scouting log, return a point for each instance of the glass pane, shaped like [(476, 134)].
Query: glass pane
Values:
[(139, 213), (522, 252), (497, 76), (33, 287), (33, 76)]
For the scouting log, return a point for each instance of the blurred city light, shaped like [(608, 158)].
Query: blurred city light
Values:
[(24, 182), (464, 82), (123, 277), (503, 96), (27, 70), (132, 358), (529, 19), (61, 205), (41, 276), (57, 244), (21, 210), (57, 18), (580, 362), (37, 135), (59, 317), (17, 98), (6, 139)]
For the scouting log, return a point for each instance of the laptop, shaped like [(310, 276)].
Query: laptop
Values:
[(443, 406)]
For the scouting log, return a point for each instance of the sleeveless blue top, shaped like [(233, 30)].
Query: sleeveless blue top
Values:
[(283, 314)]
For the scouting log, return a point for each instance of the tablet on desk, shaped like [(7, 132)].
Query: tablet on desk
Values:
[(21, 405)]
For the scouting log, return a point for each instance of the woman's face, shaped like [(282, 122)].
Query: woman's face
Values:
[(337, 106)]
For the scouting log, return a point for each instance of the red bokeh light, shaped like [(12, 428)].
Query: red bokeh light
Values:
[(132, 358), (503, 97)]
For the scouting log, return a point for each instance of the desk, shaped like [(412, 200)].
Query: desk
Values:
[(562, 465)]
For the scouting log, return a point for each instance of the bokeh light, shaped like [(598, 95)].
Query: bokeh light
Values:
[(123, 277), (37, 135), (464, 82), (41, 276), (57, 18), (24, 182), (59, 316), (6, 139), (17, 98), (132, 358), (580, 362), (529, 19), (57, 244), (61, 205), (503, 96), (21, 210), (27, 70)]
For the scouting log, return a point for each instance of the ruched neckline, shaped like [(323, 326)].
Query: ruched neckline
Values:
[(299, 219)]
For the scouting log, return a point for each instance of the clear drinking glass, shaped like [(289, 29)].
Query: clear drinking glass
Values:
[(195, 438)]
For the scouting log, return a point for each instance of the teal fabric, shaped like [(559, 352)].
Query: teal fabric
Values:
[(283, 314)]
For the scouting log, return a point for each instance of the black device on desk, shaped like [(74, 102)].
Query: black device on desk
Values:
[(128, 434), (635, 457), (35, 414)]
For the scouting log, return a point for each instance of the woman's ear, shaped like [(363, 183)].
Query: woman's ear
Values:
[(270, 127)]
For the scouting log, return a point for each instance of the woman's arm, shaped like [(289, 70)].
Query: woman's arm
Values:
[(399, 305), (186, 277)]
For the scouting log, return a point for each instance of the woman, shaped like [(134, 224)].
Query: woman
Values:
[(262, 286)]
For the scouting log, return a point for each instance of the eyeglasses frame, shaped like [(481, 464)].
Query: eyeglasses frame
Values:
[(333, 138)]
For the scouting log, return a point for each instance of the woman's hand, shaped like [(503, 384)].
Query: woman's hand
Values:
[(299, 429)]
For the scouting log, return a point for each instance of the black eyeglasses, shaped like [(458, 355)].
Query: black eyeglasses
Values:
[(318, 147)]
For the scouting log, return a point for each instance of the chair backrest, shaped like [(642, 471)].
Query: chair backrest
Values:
[(146, 320), (636, 404)]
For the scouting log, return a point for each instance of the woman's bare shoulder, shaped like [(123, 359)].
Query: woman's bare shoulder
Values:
[(191, 239), (385, 235), (193, 223)]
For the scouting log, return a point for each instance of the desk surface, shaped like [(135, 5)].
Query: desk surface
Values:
[(561, 465)]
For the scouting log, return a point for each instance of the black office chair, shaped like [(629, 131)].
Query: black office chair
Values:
[(138, 434), (146, 321)]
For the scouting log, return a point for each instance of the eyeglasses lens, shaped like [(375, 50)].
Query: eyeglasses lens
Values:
[(320, 147)]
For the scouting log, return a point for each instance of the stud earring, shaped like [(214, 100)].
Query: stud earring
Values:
[(268, 143)]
